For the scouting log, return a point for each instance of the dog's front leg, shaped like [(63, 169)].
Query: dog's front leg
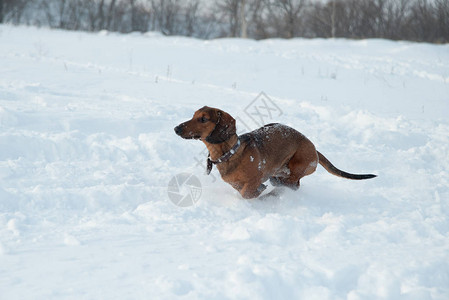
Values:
[(250, 191)]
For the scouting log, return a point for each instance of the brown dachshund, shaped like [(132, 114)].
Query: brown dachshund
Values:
[(273, 152)]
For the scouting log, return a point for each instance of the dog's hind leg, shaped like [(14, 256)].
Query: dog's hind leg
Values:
[(276, 192), (290, 182), (303, 163)]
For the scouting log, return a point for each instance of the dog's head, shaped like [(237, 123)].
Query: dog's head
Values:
[(208, 124)]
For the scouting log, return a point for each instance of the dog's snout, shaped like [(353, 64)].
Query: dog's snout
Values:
[(179, 129)]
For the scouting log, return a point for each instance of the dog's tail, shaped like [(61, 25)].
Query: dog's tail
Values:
[(333, 170)]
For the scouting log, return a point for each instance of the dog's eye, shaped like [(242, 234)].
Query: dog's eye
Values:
[(203, 120)]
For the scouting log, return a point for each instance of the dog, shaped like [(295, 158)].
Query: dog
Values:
[(273, 152)]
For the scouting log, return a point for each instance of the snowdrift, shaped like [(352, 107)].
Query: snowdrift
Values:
[(87, 150)]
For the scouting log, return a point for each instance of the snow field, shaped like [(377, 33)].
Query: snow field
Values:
[(87, 149)]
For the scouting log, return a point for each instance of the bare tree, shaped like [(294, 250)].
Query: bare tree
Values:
[(140, 16), (166, 14), (109, 15), (394, 24), (323, 19), (422, 21), (257, 26), (1, 11), (62, 11), (244, 28), (206, 24), (12, 10), (442, 8), (286, 16), (333, 17), (228, 10), (191, 17), (95, 11)]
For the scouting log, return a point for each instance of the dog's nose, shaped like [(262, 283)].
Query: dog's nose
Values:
[(178, 129)]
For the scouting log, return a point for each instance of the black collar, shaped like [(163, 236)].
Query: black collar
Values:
[(224, 158)]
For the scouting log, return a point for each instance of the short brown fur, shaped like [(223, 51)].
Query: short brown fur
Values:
[(274, 152)]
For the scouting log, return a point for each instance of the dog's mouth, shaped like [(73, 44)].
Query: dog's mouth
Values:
[(193, 137)]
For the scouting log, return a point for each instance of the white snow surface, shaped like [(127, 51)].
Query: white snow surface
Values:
[(87, 149)]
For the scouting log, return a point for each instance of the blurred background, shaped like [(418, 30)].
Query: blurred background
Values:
[(414, 20)]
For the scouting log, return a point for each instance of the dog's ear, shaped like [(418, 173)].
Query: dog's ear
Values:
[(224, 128)]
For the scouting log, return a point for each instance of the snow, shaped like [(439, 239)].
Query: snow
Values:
[(87, 150)]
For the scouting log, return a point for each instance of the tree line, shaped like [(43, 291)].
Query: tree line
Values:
[(415, 20)]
